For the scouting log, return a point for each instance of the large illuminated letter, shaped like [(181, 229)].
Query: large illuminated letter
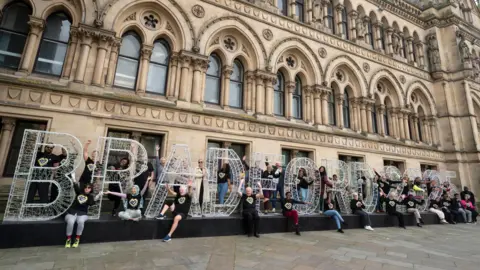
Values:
[(291, 181), (341, 186), (177, 171), (366, 188), (37, 168), (111, 150)]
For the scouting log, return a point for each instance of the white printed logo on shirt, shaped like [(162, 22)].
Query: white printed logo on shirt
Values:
[(181, 200), (250, 200), (82, 199), (42, 161), (392, 203), (133, 202), (90, 166), (221, 175), (288, 206), (410, 203)]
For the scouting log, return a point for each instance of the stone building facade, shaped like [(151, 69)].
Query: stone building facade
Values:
[(384, 82)]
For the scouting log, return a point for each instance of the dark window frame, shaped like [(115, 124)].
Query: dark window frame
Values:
[(217, 77), (131, 58), (167, 64)]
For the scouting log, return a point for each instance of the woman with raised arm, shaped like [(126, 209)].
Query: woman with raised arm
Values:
[(78, 212), (330, 210), (87, 173), (357, 206), (179, 207), (133, 202), (249, 213)]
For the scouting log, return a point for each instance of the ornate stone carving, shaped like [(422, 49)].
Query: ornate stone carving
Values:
[(366, 67), (433, 52), (230, 43), (150, 21), (396, 43), (464, 50), (267, 34), (130, 17), (198, 11), (402, 79), (291, 61), (322, 52)]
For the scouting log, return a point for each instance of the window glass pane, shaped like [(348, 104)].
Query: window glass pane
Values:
[(235, 95), (157, 79), (286, 153), (212, 91), (212, 144), (15, 18), (130, 46), (239, 149), (11, 48), (160, 53), (213, 66), (58, 27), (50, 58), (299, 12), (296, 109), (126, 73), (149, 141), (278, 101), (302, 154), (237, 74), (115, 156)]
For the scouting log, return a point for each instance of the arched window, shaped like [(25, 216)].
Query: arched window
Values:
[(158, 68), (283, 7), (414, 52), (330, 19), (13, 33), (331, 109), (385, 122), (279, 96), (53, 46), (370, 34), (212, 83), (128, 59), (236, 86), (300, 10), (382, 36), (419, 127), (346, 110), (374, 119), (297, 99), (345, 23)]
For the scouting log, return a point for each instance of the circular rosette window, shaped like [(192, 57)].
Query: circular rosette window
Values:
[(301, 181)]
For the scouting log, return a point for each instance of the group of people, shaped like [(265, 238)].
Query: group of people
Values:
[(460, 208)]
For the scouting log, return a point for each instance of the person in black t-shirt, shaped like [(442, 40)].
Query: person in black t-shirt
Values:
[(289, 212), (411, 204), (357, 207), (142, 179), (391, 203), (223, 182), (249, 211), (44, 159), (179, 208), (445, 204), (132, 203), (78, 212), (87, 174)]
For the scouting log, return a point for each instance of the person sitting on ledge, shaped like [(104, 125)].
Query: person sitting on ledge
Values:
[(329, 210), (249, 212), (435, 208), (469, 209), (133, 202), (457, 208), (78, 212), (179, 207), (411, 204), (289, 212), (445, 204), (391, 203), (357, 206)]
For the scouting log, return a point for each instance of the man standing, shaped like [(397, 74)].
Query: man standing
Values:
[(159, 164), (44, 159)]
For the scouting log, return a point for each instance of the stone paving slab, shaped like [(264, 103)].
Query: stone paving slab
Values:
[(436, 247)]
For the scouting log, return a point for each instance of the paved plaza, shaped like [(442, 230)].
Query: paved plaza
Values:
[(433, 247)]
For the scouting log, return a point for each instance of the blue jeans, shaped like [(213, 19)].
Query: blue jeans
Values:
[(304, 192), (222, 189), (336, 216), (280, 188)]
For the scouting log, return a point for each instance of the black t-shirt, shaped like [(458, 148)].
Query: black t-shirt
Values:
[(303, 182), (142, 178), (222, 177), (446, 203), (81, 203), (182, 203), (391, 205), (287, 204), (354, 207), (133, 201), (434, 204), (248, 202), (411, 203), (46, 160), (87, 171)]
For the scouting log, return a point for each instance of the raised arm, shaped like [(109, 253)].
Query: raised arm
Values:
[(244, 162), (145, 187), (239, 191), (190, 188), (170, 190), (85, 149), (118, 194), (99, 195), (260, 193)]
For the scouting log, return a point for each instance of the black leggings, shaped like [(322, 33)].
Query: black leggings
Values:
[(252, 221), (365, 217), (399, 215), (448, 215)]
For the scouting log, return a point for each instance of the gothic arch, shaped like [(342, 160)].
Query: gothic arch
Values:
[(422, 88), (179, 20), (303, 50), (347, 61), (31, 3), (388, 75), (211, 28), (76, 14)]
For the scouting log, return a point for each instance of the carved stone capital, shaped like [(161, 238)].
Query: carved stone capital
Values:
[(339, 7), (353, 14), (308, 90), (36, 25), (290, 87), (200, 64), (8, 124), (73, 38), (227, 71), (185, 60), (104, 40), (146, 51), (250, 76)]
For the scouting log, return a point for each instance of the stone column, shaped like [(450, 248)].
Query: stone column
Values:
[(434, 131), (36, 30), (8, 125), (396, 133), (250, 89), (269, 81), (260, 94), (309, 10), (363, 113), (389, 41), (112, 63), (72, 46), (420, 54), (353, 15), (338, 18), (401, 124), (353, 114), (325, 14), (172, 76), (225, 91), (307, 104), (324, 97), (290, 88), (369, 118), (292, 11), (415, 132), (145, 54), (184, 77), (406, 126), (410, 57), (381, 123), (86, 37), (340, 123), (317, 106), (197, 86), (103, 43), (377, 36), (358, 116)]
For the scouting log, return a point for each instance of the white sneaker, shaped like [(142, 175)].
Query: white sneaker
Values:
[(273, 210), (369, 228), (443, 221)]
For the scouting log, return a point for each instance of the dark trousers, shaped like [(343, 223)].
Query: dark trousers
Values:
[(457, 216), (474, 215), (399, 215), (42, 192), (252, 221), (365, 217), (448, 215), (53, 192), (280, 188), (200, 197)]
